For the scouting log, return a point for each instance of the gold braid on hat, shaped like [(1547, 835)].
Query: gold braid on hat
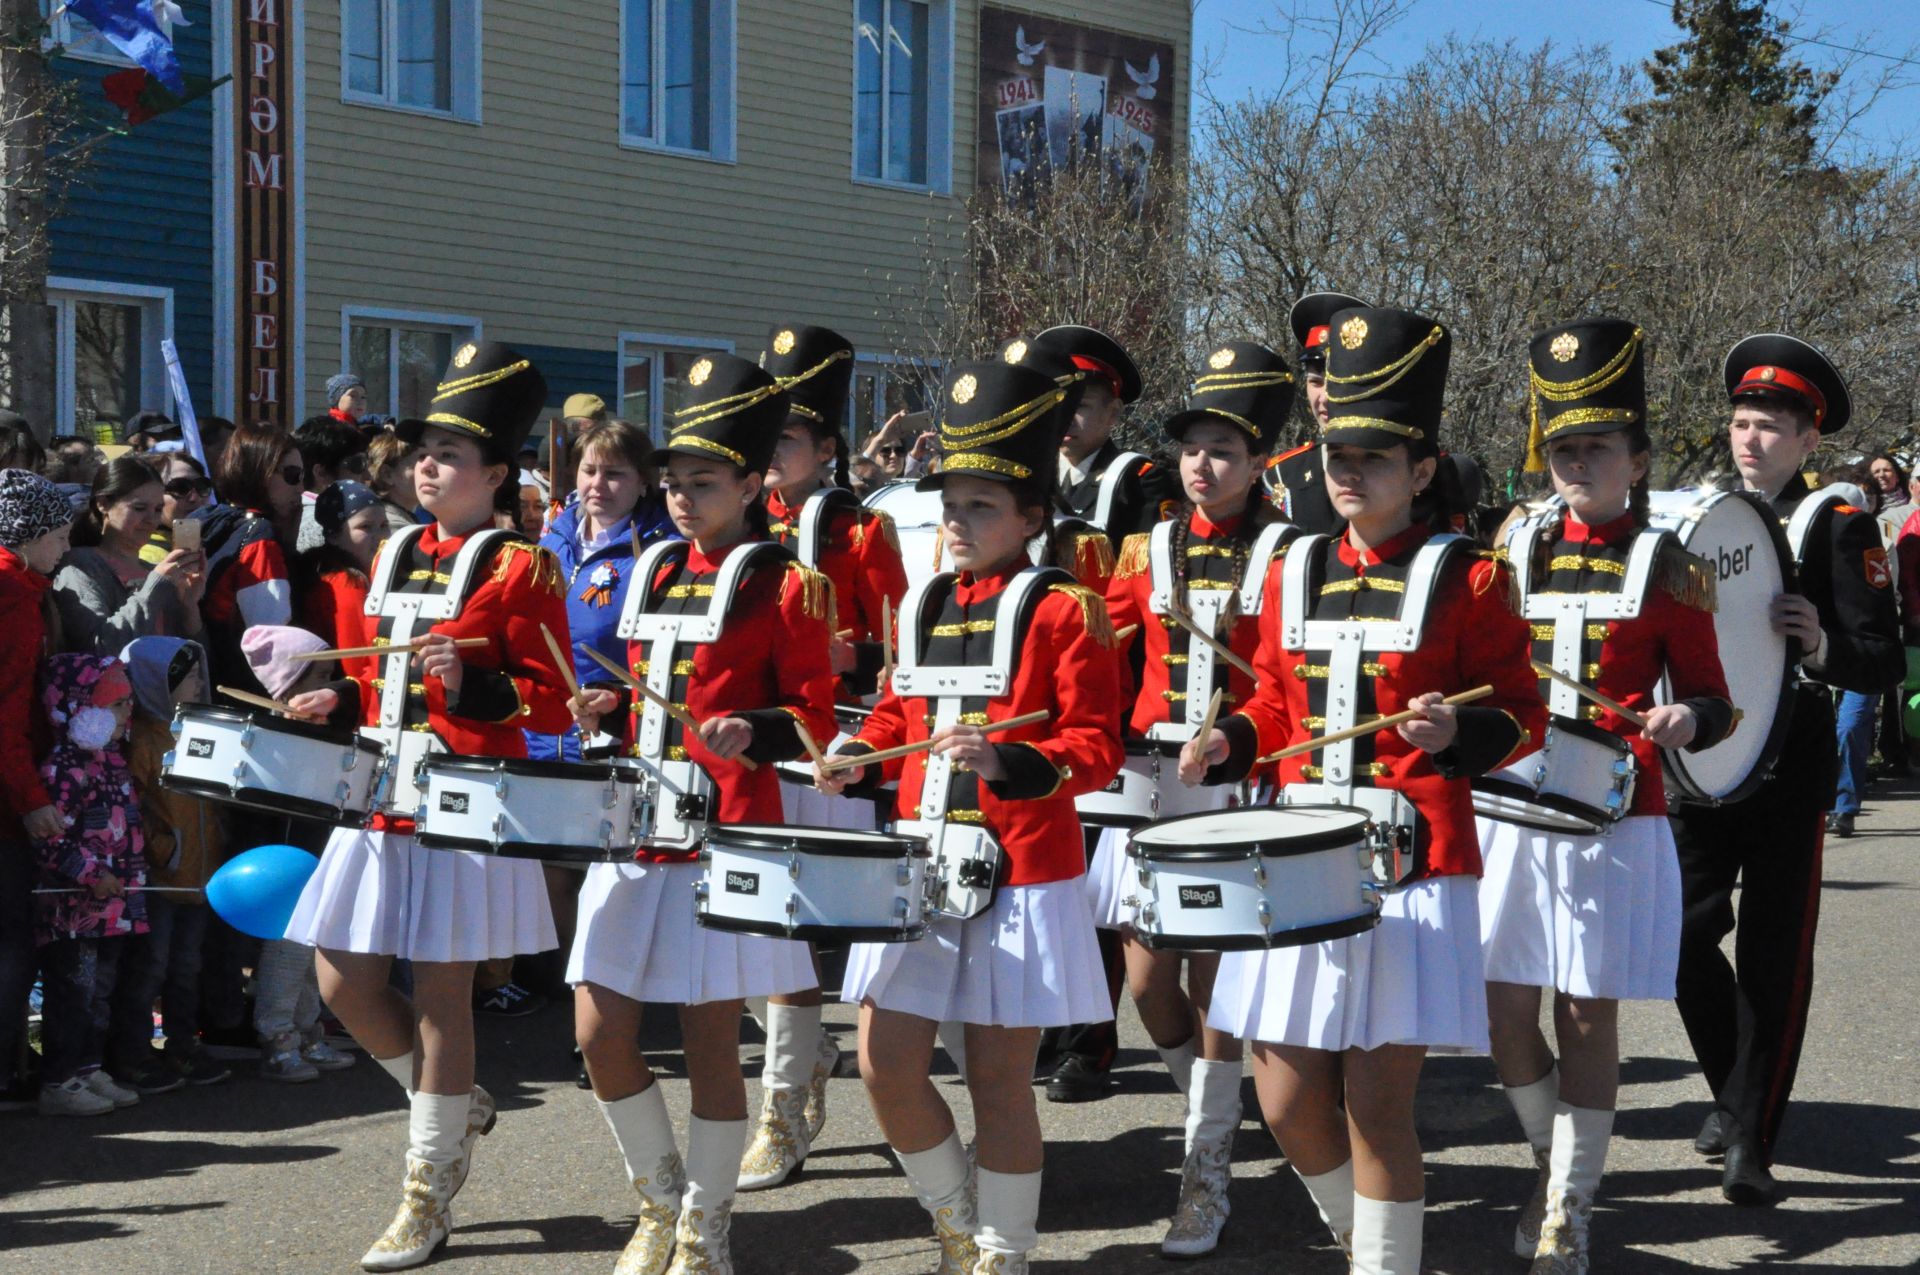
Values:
[(1005, 425), (1214, 382), (701, 413), (1387, 376), (788, 382), (1539, 387)]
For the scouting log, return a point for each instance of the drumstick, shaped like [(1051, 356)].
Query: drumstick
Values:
[(560, 659), (1220, 648), (258, 701), (1368, 728), (847, 761), (641, 689), (350, 652), (886, 643), (1587, 692), (1121, 635)]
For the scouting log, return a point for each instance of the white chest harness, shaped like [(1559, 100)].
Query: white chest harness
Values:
[(411, 615)]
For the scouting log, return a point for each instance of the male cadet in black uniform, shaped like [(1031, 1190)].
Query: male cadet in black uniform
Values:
[(1746, 1020), (1296, 479), (1120, 492)]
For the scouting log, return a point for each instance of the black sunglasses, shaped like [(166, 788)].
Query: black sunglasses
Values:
[(180, 488), (294, 475), (894, 449)]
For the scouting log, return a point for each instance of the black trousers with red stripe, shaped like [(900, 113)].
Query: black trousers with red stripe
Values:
[(1746, 1019)]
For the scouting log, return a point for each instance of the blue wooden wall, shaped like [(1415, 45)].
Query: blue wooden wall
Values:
[(143, 212)]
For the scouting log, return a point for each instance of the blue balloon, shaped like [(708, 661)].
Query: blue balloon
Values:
[(255, 892)]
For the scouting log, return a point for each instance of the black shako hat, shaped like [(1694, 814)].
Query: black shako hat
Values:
[(492, 394), (1788, 370), (1309, 320), (999, 421), (1244, 384), (733, 412), (1088, 349), (1584, 377), (1386, 379), (815, 367)]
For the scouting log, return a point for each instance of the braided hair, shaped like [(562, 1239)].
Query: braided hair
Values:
[(1254, 515)]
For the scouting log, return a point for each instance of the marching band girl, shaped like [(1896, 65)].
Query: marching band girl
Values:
[(810, 510), (1347, 1022), (376, 895), (1001, 639), (1595, 916), (1198, 558), (761, 676)]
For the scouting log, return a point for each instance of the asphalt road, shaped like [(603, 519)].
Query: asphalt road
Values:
[(256, 1177)]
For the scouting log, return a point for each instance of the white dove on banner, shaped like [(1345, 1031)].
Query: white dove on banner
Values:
[(1143, 81), (169, 14), (1028, 52)]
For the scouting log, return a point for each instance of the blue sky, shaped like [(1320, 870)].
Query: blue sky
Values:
[(1224, 32)]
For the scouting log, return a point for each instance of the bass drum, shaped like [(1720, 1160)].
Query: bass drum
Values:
[(1740, 539), (916, 520)]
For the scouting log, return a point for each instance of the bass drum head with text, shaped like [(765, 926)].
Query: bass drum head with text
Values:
[(1737, 535)]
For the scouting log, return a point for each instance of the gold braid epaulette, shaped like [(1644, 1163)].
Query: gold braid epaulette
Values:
[(882, 520), (1093, 612), (1135, 559), (816, 591), (1491, 565), (1687, 578), (543, 569), (1100, 549)]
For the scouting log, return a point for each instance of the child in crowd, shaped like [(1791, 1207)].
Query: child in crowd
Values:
[(186, 840), (286, 998), (92, 924)]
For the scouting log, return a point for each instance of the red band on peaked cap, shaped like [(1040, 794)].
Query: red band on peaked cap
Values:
[(1105, 371), (1769, 377), (1316, 337)]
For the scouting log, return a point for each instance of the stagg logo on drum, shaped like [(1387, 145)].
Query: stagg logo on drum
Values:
[(455, 803), (199, 748), (1199, 896), (743, 883)]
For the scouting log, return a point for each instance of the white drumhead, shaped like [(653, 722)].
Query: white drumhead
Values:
[(1250, 824), (874, 841), (916, 521), (1741, 543)]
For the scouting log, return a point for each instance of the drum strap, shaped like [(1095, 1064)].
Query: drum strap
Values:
[(1800, 524), (1273, 537), (1116, 473), (816, 515), (1571, 613), (1206, 608)]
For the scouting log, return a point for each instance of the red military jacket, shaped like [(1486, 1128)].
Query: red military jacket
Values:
[(1625, 659), (333, 605), (769, 666), (1206, 557), (860, 553), (1067, 665), (1472, 637), (508, 685)]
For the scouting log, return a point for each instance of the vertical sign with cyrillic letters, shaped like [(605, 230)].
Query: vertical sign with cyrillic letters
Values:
[(264, 220)]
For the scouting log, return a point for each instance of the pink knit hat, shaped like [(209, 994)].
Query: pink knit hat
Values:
[(270, 649)]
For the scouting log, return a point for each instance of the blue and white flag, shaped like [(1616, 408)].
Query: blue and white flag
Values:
[(131, 27)]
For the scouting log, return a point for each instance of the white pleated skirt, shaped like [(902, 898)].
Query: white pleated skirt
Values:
[(379, 893), (1414, 979), (637, 935), (1584, 914), (1031, 960), (1110, 881)]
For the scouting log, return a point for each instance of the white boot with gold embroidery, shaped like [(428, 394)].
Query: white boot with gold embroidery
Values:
[(826, 1061), (1009, 1206), (644, 1133), (436, 1165), (942, 1180), (781, 1138), (706, 1208)]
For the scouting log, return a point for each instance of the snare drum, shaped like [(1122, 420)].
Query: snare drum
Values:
[(561, 812), (1581, 780), (1237, 880), (819, 884), (254, 759), (1148, 788)]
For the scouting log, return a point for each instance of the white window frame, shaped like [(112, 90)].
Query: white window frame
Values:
[(460, 327), (464, 63), (156, 389), (723, 88), (939, 109), (652, 345), (94, 48)]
